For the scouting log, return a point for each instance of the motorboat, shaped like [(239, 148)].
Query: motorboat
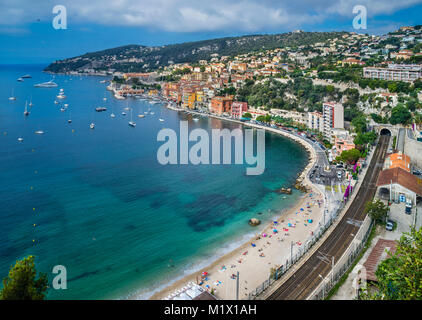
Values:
[(48, 84)]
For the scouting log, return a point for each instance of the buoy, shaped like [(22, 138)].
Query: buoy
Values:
[(32, 188), (34, 224)]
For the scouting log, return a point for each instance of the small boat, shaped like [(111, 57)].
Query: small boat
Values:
[(127, 108), (20, 80), (56, 102), (131, 123), (26, 112), (195, 119), (70, 117), (100, 109), (20, 139), (92, 125), (162, 120), (119, 97), (104, 99), (30, 102), (146, 112), (12, 97), (26, 76), (123, 113), (66, 105), (39, 132), (112, 115), (62, 109), (141, 116), (151, 113)]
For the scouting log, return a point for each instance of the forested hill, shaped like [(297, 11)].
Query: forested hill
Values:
[(143, 58)]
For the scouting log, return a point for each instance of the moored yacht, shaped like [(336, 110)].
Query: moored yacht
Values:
[(48, 84)]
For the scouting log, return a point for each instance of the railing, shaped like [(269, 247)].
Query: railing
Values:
[(299, 253), (308, 245), (344, 262)]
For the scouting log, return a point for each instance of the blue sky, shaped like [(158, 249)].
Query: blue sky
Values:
[(27, 34)]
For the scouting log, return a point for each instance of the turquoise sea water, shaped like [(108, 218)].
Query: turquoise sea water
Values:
[(102, 204)]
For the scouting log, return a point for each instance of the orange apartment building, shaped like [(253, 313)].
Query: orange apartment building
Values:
[(220, 105)]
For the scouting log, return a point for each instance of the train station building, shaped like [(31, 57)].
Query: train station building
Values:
[(399, 185)]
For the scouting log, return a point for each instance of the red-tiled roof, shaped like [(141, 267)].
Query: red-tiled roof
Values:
[(401, 177)]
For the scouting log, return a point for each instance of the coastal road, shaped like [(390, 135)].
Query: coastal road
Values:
[(304, 281)]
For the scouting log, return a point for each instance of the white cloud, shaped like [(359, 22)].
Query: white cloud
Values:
[(195, 15)]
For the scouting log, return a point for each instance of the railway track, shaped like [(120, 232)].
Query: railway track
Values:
[(304, 281)]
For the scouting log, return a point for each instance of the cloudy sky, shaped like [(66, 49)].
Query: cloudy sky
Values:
[(27, 34)]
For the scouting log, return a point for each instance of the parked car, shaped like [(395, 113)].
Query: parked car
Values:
[(339, 173), (408, 209), (389, 226)]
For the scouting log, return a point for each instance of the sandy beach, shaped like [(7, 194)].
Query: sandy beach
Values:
[(269, 248)]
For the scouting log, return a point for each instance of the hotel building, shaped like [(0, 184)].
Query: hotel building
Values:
[(394, 72)]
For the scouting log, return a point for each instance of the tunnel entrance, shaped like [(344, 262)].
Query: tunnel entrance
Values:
[(385, 132)]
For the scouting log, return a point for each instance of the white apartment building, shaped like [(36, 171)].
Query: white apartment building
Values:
[(316, 121), (298, 117), (394, 72), (333, 117)]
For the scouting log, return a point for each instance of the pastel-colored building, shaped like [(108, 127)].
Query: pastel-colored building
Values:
[(238, 109), (220, 105)]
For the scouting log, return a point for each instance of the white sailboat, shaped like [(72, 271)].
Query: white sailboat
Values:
[(92, 125), (26, 112), (12, 97), (131, 122), (30, 102)]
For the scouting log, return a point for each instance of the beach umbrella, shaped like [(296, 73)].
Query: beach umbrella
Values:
[(275, 230), (264, 234), (204, 273), (275, 222)]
